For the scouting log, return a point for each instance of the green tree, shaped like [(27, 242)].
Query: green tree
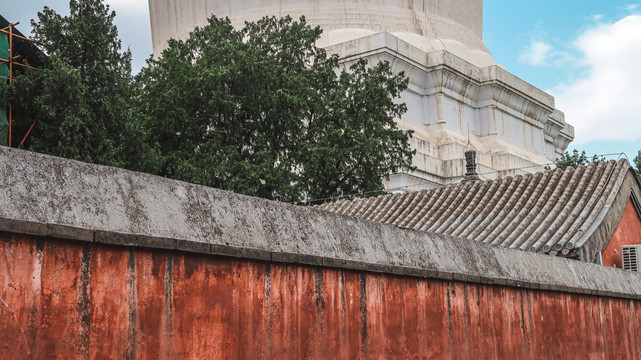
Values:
[(81, 96), (262, 111), (576, 159)]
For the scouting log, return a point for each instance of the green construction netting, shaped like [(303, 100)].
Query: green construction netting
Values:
[(4, 77)]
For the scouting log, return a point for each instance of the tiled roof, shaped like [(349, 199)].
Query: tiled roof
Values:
[(553, 212)]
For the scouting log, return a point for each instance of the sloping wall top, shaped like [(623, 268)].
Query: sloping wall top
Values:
[(49, 196)]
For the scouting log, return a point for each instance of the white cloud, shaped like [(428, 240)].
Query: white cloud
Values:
[(606, 103), (631, 7), (596, 17), (542, 53), (536, 54)]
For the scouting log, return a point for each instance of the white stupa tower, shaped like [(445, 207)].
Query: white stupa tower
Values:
[(457, 92)]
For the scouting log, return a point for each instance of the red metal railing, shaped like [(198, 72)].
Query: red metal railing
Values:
[(12, 61)]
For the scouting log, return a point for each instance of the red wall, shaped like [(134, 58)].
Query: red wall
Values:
[(73, 300), (628, 232)]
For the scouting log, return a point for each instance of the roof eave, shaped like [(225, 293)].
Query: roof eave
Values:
[(597, 237)]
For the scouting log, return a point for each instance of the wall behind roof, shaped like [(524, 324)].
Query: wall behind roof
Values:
[(73, 299), (628, 232)]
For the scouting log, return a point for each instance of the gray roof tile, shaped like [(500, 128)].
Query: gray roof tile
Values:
[(546, 212)]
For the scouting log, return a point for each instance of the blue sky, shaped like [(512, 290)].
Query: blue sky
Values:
[(587, 53)]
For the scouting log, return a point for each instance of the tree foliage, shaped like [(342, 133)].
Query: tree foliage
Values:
[(262, 111), (576, 159), (81, 96), (259, 110)]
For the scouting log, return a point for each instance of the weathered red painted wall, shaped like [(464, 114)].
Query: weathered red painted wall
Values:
[(71, 300), (628, 232)]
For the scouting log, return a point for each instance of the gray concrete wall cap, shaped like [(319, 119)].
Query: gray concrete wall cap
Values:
[(67, 195)]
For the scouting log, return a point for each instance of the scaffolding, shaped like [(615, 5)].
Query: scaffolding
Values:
[(10, 62)]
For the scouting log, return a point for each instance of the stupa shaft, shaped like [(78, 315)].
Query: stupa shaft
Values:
[(457, 95)]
